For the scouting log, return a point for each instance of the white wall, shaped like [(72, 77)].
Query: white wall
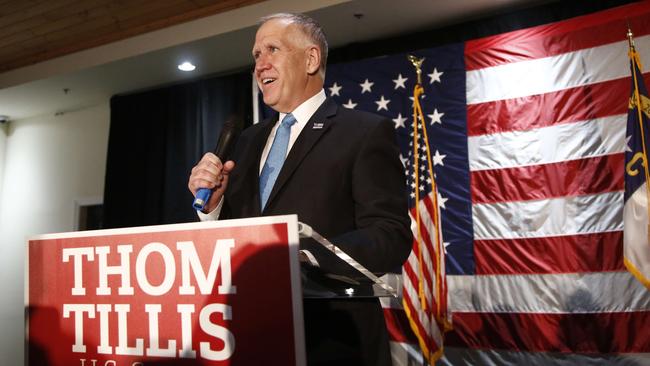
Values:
[(49, 162), (3, 146)]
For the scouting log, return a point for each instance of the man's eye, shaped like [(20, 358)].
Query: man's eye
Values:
[(273, 49)]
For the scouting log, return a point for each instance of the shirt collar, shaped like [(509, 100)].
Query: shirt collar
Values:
[(306, 110)]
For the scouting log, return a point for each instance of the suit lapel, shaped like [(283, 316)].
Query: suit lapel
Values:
[(315, 128)]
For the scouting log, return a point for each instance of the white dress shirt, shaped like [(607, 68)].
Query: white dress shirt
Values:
[(302, 114)]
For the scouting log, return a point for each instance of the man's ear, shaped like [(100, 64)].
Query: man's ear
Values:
[(313, 59)]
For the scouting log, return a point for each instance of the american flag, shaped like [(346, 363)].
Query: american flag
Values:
[(425, 287), (527, 135)]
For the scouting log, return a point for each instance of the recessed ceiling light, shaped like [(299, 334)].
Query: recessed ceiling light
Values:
[(186, 66)]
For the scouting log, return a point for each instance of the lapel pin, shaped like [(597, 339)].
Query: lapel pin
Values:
[(317, 125)]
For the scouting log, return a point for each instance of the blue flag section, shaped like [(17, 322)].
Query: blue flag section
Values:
[(636, 242), (384, 86)]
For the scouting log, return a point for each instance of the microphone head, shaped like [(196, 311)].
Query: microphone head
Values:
[(232, 122), (228, 137)]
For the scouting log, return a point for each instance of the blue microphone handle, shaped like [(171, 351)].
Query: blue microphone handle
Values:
[(201, 199)]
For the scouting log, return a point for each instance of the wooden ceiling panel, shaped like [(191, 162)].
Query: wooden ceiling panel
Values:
[(33, 31), (11, 14)]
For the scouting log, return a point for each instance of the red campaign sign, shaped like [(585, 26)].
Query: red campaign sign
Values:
[(213, 293)]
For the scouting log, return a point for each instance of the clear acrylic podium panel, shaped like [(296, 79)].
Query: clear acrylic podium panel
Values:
[(358, 281)]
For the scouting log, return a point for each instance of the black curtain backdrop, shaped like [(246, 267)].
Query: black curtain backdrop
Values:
[(157, 136)]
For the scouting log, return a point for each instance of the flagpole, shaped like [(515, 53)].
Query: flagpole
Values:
[(417, 89), (636, 63)]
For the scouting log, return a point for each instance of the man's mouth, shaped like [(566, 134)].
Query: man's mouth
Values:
[(267, 81)]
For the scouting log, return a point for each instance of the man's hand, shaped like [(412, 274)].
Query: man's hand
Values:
[(212, 174)]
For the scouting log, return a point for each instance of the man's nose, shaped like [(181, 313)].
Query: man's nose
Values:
[(262, 63)]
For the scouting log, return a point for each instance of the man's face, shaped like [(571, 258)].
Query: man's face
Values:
[(281, 65)]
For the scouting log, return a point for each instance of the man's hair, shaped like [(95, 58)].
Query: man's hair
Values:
[(309, 27)]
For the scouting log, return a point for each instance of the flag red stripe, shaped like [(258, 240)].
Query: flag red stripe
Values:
[(543, 110), (413, 275), (432, 237), (414, 315), (426, 240), (569, 178), (555, 254), (399, 329), (615, 332), (556, 38), (413, 272)]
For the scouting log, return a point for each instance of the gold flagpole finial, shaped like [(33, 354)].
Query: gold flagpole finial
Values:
[(630, 36), (417, 63)]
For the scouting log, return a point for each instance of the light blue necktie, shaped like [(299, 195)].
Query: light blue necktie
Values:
[(275, 159)]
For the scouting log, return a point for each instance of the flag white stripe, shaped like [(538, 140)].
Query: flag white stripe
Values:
[(395, 281), (405, 354), (464, 356), (594, 213), (558, 143), (413, 263), (548, 293), (549, 74)]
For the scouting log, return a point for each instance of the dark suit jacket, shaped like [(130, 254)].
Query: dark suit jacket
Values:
[(344, 178)]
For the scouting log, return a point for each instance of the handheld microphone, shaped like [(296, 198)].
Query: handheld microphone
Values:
[(224, 148)]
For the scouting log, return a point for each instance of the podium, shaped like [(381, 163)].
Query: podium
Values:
[(211, 293)]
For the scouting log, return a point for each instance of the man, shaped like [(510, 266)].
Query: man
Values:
[(338, 169)]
